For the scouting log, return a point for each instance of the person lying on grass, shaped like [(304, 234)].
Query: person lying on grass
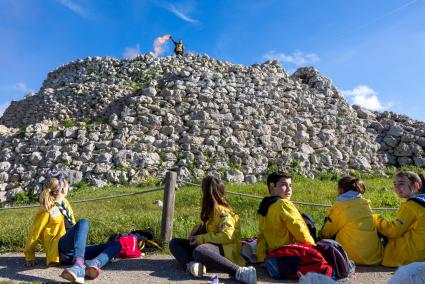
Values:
[(216, 243), (63, 239)]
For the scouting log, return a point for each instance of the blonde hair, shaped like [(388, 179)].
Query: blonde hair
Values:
[(50, 191)]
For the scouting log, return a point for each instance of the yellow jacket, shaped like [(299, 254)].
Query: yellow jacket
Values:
[(282, 225), (223, 229), (352, 223), (406, 235), (48, 227)]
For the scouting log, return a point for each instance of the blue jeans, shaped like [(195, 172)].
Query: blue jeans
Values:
[(73, 246)]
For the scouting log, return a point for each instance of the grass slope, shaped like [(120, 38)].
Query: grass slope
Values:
[(138, 212)]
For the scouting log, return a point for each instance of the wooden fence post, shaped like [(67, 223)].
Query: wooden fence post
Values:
[(168, 207)]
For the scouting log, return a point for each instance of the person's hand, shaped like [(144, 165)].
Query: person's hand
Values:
[(195, 230), (193, 241), (30, 263)]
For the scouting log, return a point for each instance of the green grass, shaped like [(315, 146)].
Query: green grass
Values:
[(69, 123), (138, 211)]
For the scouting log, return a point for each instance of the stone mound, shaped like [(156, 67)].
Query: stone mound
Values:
[(107, 120)]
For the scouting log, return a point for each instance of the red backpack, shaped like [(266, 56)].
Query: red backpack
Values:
[(129, 246), (293, 260)]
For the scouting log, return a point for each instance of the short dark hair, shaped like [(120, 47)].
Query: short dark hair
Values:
[(275, 177)]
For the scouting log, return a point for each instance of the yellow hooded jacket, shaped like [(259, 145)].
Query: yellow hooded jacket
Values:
[(282, 225), (223, 229), (48, 227), (352, 223), (406, 235)]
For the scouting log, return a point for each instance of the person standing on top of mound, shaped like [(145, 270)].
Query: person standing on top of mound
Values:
[(178, 46)]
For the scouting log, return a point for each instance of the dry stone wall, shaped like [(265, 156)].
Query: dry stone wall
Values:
[(107, 120)]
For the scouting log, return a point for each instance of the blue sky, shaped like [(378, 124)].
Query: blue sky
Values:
[(374, 51)]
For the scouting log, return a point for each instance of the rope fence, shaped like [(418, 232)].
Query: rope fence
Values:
[(295, 202), (169, 188), (90, 199), (186, 183)]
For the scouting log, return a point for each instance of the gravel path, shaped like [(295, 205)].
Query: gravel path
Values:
[(149, 269)]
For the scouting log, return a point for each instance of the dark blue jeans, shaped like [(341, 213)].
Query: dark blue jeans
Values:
[(73, 246)]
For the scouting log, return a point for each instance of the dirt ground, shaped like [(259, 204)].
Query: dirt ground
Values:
[(149, 269)]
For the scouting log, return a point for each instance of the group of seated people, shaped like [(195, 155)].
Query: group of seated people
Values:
[(215, 244)]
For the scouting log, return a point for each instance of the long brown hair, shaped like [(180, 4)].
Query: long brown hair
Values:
[(212, 195), (350, 183), (50, 191), (422, 177)]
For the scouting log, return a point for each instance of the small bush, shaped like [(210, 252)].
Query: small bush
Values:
[(272, 168), (235, 166), (135, 87), (53, 128), (23, 197), (151, 181), (121, 168), (69, 123), (83, 184)]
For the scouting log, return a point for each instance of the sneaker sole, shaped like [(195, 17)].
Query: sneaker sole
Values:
[(71, 277), (92, 272), (199, 272)]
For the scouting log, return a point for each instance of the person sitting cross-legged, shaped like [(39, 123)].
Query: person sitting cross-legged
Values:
[(216, 243)]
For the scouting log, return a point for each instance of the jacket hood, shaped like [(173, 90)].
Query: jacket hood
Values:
[(419, 198), (349, 195), (266, 203)]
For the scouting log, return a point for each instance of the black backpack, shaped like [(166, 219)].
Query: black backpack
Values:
[(310, 225)]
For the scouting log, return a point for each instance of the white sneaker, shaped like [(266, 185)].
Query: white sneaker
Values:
[(247, 275), (197, 269)]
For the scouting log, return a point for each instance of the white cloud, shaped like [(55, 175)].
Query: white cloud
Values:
[(12, 92), (390, 13), (297, 58), (21, 87), (132, 52), (173, 9), (77, 9), (3, 107), (18, 88), (366, 97)]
